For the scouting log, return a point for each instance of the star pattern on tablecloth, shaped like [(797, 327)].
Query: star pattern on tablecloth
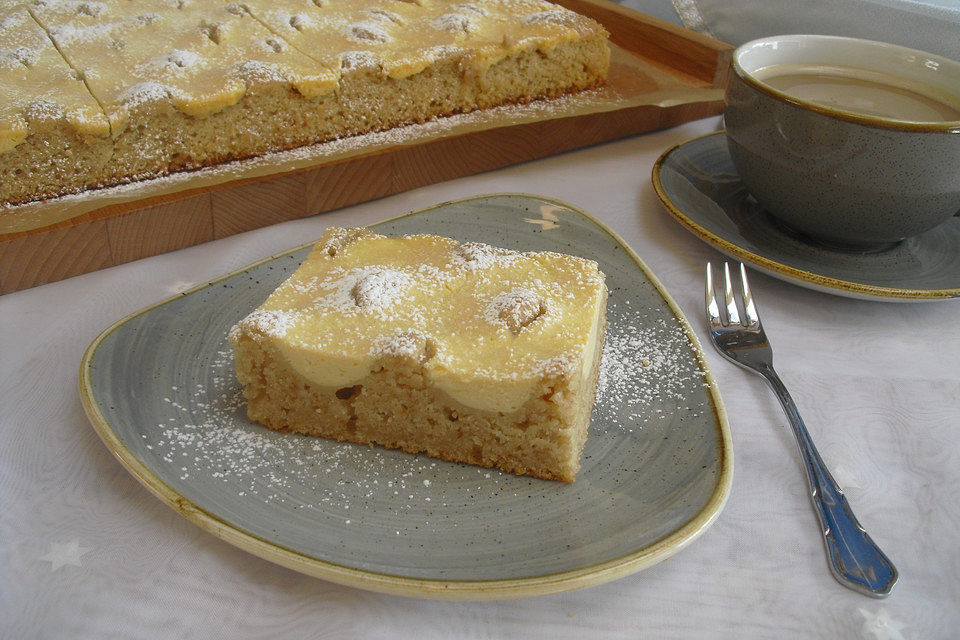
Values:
[(846, 478), (178, 287), (880, 625), (64, 553)]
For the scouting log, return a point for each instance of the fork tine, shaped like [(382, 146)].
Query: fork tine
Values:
[(713, 309), (732, 314), (749, 308)]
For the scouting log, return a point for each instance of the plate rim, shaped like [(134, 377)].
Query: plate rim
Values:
[(819, 282), (496, 589)]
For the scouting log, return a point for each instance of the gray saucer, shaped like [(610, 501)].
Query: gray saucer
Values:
[(699, 186)]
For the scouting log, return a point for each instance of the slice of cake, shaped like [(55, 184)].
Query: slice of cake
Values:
[(462, 351)]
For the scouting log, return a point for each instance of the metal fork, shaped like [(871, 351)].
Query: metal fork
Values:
[(855, 560)]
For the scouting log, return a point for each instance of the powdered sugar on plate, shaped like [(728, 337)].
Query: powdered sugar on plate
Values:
[(645, 369), (310, 473)]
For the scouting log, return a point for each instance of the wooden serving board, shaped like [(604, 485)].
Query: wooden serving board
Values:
[(681, 71)]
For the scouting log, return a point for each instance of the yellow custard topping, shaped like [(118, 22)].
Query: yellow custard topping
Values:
[(36, 85), (488, 324)]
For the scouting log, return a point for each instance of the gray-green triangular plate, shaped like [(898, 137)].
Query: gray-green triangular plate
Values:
[(699, 186), (160, 390)]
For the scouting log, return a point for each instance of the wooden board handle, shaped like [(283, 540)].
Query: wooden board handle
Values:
[(696, 55)]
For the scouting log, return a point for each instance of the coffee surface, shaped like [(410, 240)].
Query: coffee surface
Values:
[(862, 91)]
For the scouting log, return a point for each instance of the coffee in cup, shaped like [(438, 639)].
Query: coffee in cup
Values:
[(857, 91), (852, 142)]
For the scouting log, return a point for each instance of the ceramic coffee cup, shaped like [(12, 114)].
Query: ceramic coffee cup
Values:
[(852, 142)]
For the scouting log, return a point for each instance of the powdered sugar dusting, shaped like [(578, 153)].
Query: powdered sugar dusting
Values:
[(205, 440), (19, 56), (515, 309), (171, 62), (379, 288), (143, 93), (268, 322), (337, 238), (553, 16), (366, 32), (646, 370), (70, 34), (301, 21), (560, 366), (455, 22), (41, 110), (475, 256), (385, 16), (260, 72), (13, 20), (404, 344), (372, 290), (472, 8)]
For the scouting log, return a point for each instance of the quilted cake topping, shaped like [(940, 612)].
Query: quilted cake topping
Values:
[(37, 85), (406, 37), (488, 324), (202, 57)]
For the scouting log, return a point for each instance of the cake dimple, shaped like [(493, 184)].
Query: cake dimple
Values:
[(195, 51), (376, 288), (516, 309), (484, 333)]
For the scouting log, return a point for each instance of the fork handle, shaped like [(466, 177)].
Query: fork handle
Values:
[(855, 559)]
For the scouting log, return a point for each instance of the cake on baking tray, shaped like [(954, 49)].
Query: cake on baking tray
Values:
[(100, 93), (49, 123), (462, 351)]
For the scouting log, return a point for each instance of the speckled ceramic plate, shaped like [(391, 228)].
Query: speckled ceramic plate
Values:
[(160, 390), (699, 185)]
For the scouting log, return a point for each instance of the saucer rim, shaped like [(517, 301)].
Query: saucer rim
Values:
[(820, 282)]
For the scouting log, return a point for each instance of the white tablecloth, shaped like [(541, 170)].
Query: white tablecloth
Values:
[(88, 553)]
